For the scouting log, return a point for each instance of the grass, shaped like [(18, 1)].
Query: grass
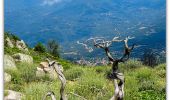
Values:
[(74, 73), (141, 82), (92, 83)]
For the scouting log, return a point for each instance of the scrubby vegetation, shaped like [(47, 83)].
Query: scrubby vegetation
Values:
[(141, 82), (53, 48), (11, 36), (40, 48)]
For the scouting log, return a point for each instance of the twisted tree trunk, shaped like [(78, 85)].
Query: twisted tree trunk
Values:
[(116, 75), (118, 87), (62, 79)]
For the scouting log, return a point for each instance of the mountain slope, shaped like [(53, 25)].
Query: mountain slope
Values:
[(70, 20)]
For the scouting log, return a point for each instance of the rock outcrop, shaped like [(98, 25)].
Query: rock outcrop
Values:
[(19, 57), (13, 95), (9, 42), (7, 77), (47, 71), (18, 44), (21, 45), (44, 65), (9, 62), (44, 69)]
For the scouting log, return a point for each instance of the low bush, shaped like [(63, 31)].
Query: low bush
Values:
[(40, 48)]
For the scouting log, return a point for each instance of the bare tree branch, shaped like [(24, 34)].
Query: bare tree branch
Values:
[(127, 49), (116, 75)]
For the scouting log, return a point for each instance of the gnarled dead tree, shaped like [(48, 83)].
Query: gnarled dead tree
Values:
[(58, 69), (61, 76), (115, 75)]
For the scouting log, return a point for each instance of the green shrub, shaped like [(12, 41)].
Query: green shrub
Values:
[(53, 48), (40, 48)]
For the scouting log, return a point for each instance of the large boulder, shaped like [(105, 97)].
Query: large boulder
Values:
[(7, 77), (44, 69), (19, 57), (13, 95), (9, 42), (21, 45), (40, 72), (9, 62), (44, 65)]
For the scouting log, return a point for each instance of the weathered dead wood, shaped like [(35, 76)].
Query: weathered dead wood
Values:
[(115, 75), (59, 71), (50, 93), (61, 76)]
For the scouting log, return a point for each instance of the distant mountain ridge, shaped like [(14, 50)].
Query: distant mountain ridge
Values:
[(68, 21)]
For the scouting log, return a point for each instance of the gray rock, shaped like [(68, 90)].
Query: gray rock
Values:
[(44, 64), (7, 77), (13, 95), (9, 43), (40, 72), (21, 45), (19, 57), (44, 69), (9, 62)]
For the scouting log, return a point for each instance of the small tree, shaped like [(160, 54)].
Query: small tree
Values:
[(53, 48), (150, 58), (115, 75), (40, 47)]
